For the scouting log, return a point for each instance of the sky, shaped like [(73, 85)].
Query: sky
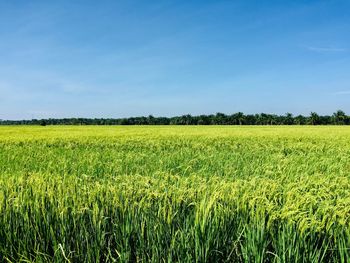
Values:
[(114, 59)]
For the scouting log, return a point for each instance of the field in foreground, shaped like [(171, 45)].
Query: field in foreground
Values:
[(175, 194)]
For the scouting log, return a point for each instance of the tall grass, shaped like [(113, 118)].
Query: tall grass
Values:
[(174, 194)]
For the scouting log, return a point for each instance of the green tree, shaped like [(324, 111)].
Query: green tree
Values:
[(339, 117), (300, 120), (237, 118), (314, 118)]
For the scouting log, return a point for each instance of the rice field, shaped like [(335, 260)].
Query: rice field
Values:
[(174, 194)]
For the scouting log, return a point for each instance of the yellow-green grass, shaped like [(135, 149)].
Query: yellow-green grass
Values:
[(175, 194)]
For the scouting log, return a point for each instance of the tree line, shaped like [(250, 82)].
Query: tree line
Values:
[(239, 118)]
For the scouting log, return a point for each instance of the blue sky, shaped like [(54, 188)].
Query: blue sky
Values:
[(131, 58)]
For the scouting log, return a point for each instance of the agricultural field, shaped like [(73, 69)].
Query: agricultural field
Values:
[(174, 194)]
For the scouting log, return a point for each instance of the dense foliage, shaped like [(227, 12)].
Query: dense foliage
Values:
[(174, 194), (338, 118)]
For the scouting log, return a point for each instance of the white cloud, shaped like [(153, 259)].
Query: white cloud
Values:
[(39, 114), (326, 49), (344, 92)]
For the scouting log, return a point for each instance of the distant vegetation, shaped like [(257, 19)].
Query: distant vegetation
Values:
[(239, 118)]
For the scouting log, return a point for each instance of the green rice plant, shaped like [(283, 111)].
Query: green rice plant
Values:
[(174, 194)]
